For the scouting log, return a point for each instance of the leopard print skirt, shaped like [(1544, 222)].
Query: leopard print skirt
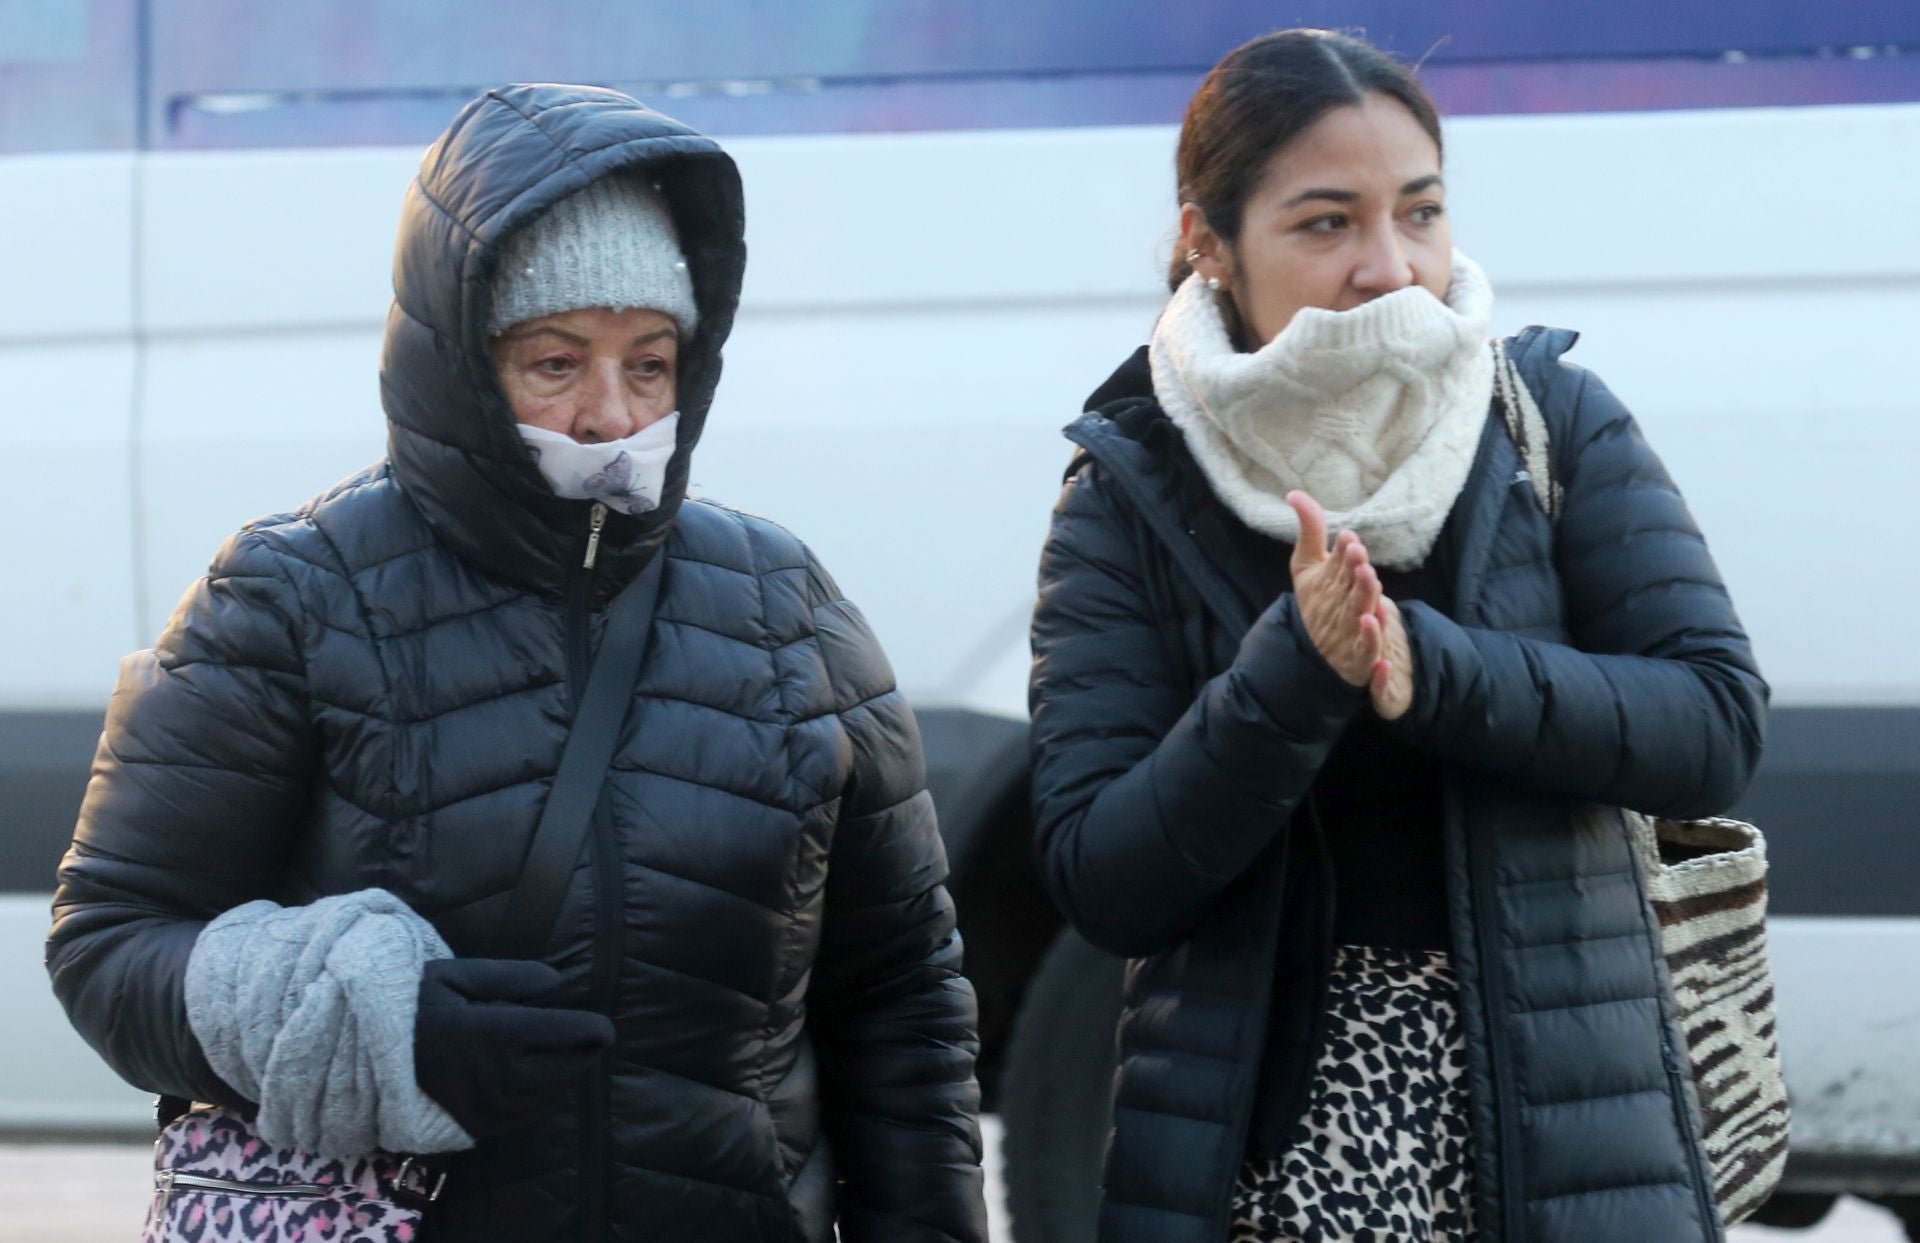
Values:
[(1383, 1153)]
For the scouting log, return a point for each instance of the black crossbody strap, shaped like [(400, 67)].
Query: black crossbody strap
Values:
[(568, 813)]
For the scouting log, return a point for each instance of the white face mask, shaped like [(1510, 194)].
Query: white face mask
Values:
[(627, 475)]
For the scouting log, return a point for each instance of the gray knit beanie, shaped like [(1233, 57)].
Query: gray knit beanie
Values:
[(611, 244)]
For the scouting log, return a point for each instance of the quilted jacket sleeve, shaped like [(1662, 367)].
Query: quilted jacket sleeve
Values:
[(1658, 704), (1148, 801), (894, 1022), (199, 782)]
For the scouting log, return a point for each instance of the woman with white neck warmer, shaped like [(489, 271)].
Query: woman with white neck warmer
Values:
[(1322, 790)]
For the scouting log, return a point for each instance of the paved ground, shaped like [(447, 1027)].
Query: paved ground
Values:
[(74, 1193)]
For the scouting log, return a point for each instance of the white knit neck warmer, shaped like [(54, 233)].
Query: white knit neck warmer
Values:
[(1375, 412)]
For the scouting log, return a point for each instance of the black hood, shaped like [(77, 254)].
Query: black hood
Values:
[(508, 156)]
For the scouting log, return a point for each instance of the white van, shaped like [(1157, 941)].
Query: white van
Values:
[(188, 339)]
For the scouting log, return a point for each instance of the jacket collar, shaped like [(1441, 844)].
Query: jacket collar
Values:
[(1496, 472), (506, 157), (1141, 452)]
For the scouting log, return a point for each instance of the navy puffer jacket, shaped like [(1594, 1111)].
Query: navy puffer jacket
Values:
[(1179, 723), (375, 691)]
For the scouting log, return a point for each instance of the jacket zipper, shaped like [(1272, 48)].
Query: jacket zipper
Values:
[(1222, 601), (595, 521), (1691, 1123), (579, 593), (1693, 1136), (1493, 999), (606, 948), (1482, 896), (595, 1175), (1329, 949)]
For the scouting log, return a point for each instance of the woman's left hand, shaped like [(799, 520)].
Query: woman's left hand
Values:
[(1391, 685)]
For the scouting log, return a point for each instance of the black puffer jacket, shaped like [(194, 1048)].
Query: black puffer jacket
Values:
[(375, 690), (1178, 724)]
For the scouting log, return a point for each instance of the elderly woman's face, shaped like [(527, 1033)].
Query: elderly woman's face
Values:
[(595, 375), (1351, 209)]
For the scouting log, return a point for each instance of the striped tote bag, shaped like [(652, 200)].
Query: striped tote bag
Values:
[(1707, 883)]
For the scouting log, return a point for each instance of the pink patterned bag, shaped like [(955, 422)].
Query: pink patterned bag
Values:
[(216, 1181)]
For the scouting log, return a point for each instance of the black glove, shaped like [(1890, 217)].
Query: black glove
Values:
[(488, 1051)]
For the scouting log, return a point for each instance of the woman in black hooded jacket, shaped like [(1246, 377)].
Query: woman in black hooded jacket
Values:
[(1388, 982), (748, 1021)]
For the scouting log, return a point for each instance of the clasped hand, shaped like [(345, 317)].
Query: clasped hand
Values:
[(491, 1047), (1356, 628)]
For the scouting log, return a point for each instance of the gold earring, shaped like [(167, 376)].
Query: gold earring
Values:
[(1193, 256)]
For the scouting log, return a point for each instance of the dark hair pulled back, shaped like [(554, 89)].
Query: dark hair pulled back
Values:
[(1258, 99)]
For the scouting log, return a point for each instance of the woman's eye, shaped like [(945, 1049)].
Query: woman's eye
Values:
[(1325, 224), (650, 368), (1427, 213), (558, 365)]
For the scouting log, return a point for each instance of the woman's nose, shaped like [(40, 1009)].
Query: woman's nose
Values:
[(1384, 266), (602, 413)]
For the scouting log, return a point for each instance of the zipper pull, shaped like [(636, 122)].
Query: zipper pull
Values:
[(598, 520), (163, 1192)]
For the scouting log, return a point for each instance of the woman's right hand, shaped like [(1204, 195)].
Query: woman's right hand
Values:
[(1338, 594), (488, 1052)]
